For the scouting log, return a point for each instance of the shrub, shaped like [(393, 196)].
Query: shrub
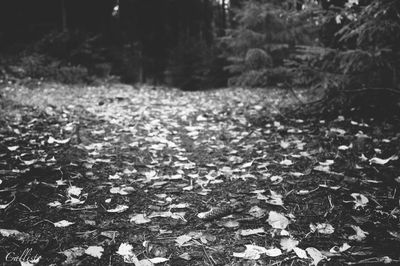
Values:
[(252, 78), (72, 74), (264, 39), (194, 65), (257, 59)]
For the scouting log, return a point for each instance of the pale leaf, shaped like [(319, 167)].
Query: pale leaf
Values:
[(288, 243), (95, 251), (257, 212), (180, 240), (119, 209), (140, 219), (158, 260), (277, 220), (301, 253), (360, 234), (63, 223), (248, 232), (315, 254), (273, 252)]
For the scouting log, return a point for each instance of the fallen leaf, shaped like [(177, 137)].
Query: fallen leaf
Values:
[(180, 240), (247, 165), (286, 162), (338, 130), (119, 209), (315, 254), (95, 251), (327, 162), (273, 252), (185, 256), (63, 223), (126, 251), (74, 191), (284, 144), (323, 228), (248, 232), (252, 252), (231, 224), (14, 234), (123, 190), (140, 219), (276, 179), (340, 249), (54, 204), (277, 220), (257, 212), (158, 260), (360, 234), (359, 200), (116, 176), (288, 243), (380, 161), (72, 255), (301, 253), (13, 148), (322, 168), (52, 140), (344, 147)]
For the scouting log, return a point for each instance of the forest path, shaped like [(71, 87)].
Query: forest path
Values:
[(121, 173)]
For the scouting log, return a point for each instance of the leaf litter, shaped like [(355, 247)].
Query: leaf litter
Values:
[(128, 181)]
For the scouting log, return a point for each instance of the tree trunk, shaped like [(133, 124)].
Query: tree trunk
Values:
[(63, 16), (223, 9)]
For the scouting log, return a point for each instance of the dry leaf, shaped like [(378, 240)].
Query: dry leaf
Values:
[(277, 220), (119, 209), (183, 239), (380, 161), (323, 228), (360, 234), (273, 252), (286, 162), (74, 191), (337, 249), (359, 200), (248, 232), (231, 224), (63, 223), (140, 219), (257, 212), (95, 251), (288, 243), (301, 253), (158, 260), (72, 255), (252, 252), (315, 254)]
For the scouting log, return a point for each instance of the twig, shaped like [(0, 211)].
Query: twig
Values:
[(374, 260), (211, 261), (294, 94), (81, 209), (394, 91), (23, 205), (9, 204)]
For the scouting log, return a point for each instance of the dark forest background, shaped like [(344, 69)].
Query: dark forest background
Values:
[(344, 48), (154, 41)]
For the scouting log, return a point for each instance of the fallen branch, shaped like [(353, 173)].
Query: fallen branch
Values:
[(394, 91)]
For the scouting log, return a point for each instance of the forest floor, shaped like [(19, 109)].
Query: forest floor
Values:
[(111, 175)]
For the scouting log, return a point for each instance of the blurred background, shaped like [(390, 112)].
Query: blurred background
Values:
[(335, 46)]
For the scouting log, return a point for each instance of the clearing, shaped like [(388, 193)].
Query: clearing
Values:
[(116, 174)]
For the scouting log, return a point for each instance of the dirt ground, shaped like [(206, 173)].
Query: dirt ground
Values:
[(116, 175)]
